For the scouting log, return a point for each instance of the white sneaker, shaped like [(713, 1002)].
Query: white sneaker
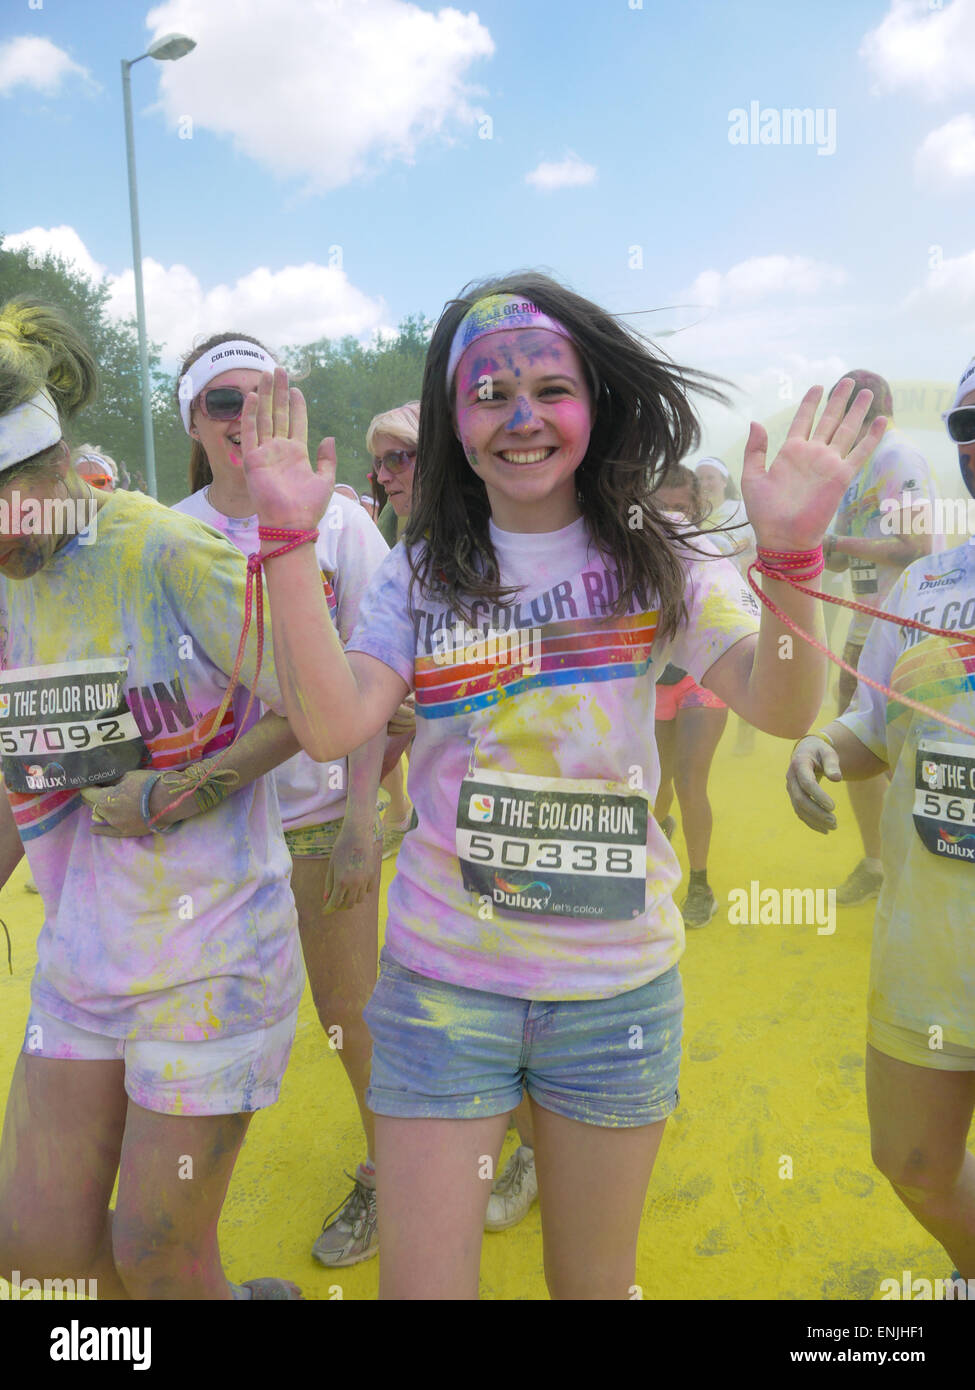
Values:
[(513, 1192)]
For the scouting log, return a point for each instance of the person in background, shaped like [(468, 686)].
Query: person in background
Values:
[(689, 723), (726, 510), (858, 540), (96, 467), (920, 1056), (391, 439), (330, 814)]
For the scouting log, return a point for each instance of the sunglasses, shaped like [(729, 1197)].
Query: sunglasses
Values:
[(395, 461), (961, 424), (98, 480), (223, 403)]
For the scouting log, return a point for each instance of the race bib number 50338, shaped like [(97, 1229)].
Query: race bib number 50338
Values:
[(548, 846), (67, 726)]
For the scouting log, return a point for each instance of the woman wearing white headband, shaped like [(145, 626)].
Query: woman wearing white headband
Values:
[(330, 814), (727, 511), (920, 1064), (532, 938), (168, 975)]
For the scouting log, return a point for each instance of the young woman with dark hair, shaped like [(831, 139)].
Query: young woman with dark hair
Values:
[(538, 592)]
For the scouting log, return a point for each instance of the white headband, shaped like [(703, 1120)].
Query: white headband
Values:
[(712, 463), (967, 384), (223, 358), (27, 429)]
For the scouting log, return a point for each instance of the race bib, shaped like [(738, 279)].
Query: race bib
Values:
[(67, 726), (944, 799), (863, 577), (549, 846)]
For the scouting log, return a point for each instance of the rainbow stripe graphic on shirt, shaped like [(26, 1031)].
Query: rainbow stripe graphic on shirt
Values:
[(36, 815), (573, 652), (936, 671)]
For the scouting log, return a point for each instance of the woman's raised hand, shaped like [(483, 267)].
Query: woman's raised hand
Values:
[(791, 505), (285, 488)]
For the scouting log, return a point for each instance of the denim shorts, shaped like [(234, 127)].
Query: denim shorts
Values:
[(441, 1051)]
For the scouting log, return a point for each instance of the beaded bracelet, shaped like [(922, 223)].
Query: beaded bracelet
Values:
[(148, 822)]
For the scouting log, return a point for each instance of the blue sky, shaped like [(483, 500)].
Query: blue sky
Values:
[(336, 174)]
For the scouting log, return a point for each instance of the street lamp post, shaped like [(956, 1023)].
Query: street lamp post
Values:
[(169, 47)]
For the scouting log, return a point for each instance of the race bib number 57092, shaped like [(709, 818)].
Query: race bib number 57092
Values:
[(548, 846), (67, 725)]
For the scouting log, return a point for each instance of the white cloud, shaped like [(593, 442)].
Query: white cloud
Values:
[(296, 304), (946, 299), (322, 90), (63, 242), (291, 305), (38, 63), (947, 155), (927, 48), (571, 172), (761, 276)]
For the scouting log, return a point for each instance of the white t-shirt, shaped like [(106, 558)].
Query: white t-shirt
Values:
[(350, 549), (537, 869), (922, 972), (190, 935), (738, 544), (895, 469)]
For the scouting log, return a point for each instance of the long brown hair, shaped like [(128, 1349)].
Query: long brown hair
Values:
[(200, 471), (643, 424)]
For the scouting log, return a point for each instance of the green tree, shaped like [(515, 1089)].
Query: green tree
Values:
[(114, 419), (344, 383)]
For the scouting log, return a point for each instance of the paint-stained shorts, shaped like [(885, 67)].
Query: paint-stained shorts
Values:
[(915, 1048), (444, 1052), (686, 694), (222, 1076), (318, 841)]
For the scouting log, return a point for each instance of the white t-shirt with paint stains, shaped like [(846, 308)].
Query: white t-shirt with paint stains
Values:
[(190, 935), (896, 470), (350, 549), (922, 968), (536, 869)]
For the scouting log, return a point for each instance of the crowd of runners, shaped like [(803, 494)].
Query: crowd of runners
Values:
[(216, 719)]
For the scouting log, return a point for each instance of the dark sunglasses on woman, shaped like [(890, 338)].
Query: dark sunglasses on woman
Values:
[(223, 402), (961, 424), (395, 461)]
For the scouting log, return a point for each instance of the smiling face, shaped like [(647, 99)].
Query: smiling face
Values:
[(399, 486), (523, 416), (221, 438)]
